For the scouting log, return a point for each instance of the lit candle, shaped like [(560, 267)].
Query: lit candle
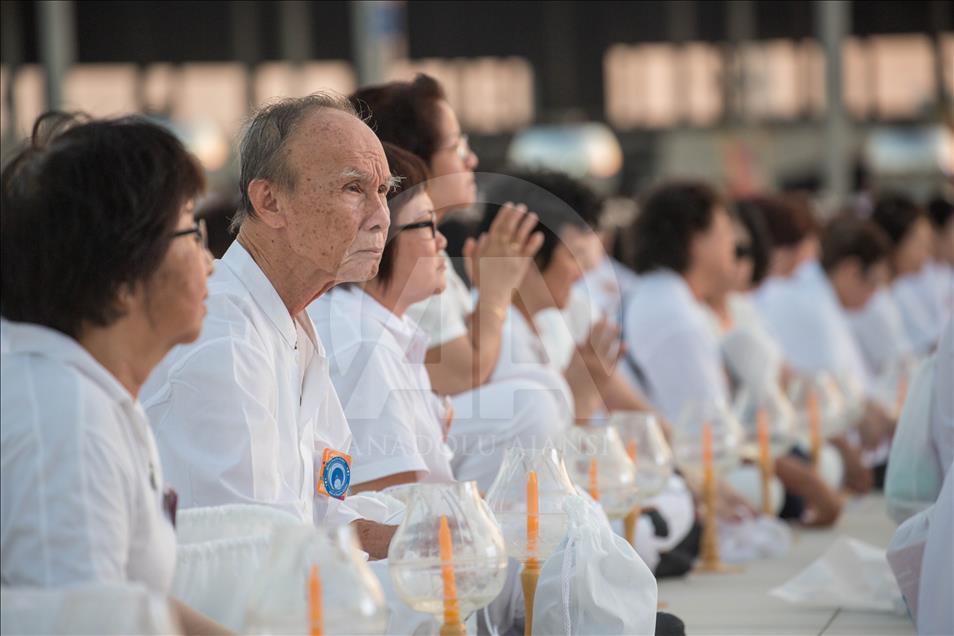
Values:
[(761, 422), (451, 606), (314, 602), (533, 513), (814, 424), (765, 461), (594, 480)]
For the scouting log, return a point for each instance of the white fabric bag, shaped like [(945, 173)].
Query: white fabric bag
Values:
[(914, 478), (594, 583), (96, 608), (220, 551)]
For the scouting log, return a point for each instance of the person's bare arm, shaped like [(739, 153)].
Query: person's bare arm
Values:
[(193, 623), (823, 505), (858, 479), (467, 362), (618, 395), (375, 538), (591, 368), (408, 477), (496, 263)]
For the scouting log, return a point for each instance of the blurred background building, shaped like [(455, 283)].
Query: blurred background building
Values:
[(832, 97)]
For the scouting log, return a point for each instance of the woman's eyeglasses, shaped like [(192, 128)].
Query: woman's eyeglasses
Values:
[(198, 231), (417, 225), (743, 252)]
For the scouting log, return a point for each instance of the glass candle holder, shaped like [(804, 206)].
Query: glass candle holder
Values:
[(448, 554)]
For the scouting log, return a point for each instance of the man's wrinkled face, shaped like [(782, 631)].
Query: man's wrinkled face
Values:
[(336, 214)]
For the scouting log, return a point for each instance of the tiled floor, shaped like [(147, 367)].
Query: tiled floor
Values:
[(741, 604)]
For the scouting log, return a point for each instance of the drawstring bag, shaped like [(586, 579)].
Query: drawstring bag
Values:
[(219, 544), (594, 583), (914, 477)]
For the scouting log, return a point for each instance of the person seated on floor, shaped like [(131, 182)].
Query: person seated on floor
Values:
[(912, 245), (684, 245), (248, 413), (104, 272), (756, 367), (464, 334), (806, 315), (376, 352)]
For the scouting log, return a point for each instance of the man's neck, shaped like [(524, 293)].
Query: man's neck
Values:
[(296, 281)]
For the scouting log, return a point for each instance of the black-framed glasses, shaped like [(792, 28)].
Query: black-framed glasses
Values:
[(198, 230), (461, 147), (417, 225), (743, 251)]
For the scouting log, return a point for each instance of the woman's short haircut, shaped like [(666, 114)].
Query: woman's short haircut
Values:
[(560, 201), (749, 215), (671, 216), (787, 218), (896, 214), (404, 113), (940, 210), (847, 237), (88, 208), (411, 176)]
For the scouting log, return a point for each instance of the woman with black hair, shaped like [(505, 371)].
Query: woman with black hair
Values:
[(912, 244), (103, 272)]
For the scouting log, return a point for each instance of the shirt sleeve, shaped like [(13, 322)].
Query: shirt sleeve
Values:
[(379, 403)]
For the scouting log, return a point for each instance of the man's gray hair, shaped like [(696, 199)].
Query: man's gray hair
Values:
[(264, 139)]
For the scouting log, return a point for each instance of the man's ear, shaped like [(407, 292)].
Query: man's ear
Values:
[(262, 194)]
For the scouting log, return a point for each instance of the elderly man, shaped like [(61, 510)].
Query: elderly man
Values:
[(248, 414)]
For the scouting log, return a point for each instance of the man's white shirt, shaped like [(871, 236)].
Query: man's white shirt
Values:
[(244, 414)]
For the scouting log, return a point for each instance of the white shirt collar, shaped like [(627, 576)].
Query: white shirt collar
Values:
[(34, 339), (250, 275)]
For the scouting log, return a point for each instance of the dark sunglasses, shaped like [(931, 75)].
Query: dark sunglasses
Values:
[(743, 252)]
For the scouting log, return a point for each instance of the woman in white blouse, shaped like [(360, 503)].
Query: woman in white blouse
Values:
[(754, 361), (912, 245), (104, 271), (376, 352)]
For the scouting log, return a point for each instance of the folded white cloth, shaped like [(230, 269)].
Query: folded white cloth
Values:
[(851, 574), (747, 481), (754, 538)]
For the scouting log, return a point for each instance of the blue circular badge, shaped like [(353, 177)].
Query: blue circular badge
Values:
[(337, 477)]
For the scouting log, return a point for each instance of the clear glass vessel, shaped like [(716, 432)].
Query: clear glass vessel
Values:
[(479, 558), (507, 499)]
